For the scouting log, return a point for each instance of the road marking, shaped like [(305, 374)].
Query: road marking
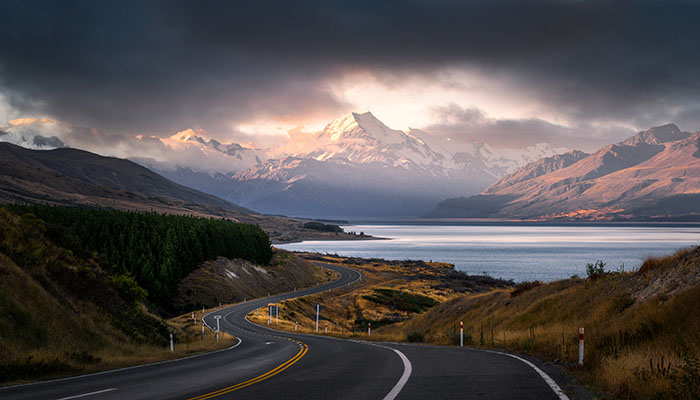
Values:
[(70, 378), (407, 369), (552, 384), (255, 380), (88, 394)]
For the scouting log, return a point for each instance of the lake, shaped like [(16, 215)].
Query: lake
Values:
[(514, 251)]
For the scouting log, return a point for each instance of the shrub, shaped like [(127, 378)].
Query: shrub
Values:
[(128, 289), (415, 337), (596, 271), (402, 301), (523, 287)]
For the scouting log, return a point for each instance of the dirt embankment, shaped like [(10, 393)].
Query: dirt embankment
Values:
[(230, 281)]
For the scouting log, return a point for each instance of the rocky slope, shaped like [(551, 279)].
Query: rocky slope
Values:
[(652, 175)]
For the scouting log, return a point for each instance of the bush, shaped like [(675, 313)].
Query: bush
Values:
[(128, 289), (596, 271), (415, 337), (402, 301)]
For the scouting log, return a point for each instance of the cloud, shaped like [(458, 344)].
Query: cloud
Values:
[(134, 67), (462, 124)]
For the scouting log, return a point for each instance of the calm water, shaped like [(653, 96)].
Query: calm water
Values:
[(513, 252)]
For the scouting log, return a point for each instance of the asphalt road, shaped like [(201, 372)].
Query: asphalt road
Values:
[(267, 364)]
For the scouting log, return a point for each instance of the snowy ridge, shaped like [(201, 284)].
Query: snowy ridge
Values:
[(345, 170)]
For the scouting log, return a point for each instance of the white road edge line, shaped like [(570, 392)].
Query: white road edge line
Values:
[(110, 371), (88, 394), (552, 384), (407, 369)]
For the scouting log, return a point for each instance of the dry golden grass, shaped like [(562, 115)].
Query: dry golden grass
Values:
[(631, 320), (347, 313)]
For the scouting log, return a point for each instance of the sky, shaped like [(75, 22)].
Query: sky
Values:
[(116, 76)]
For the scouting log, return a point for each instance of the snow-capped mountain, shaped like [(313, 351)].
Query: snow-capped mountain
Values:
[(237, 158), (356, 166), (362, 138)]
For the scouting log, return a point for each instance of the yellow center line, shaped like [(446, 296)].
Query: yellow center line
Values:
[(260, 378)]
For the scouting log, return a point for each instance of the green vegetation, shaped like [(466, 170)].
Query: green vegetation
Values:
[(155, 251), (318, 226), (596, 271), (70, 304), (402, 301)]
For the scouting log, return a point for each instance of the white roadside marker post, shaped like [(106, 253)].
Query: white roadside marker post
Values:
[(172, 349), (369, 328), (194, 320), (295, 326), (580, 346), (461, 334), (202, 326), (218, 328), (325, 330), (318, 309), (269, 314)]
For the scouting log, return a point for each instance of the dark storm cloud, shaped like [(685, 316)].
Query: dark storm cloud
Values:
[(148, 65), (460, 123)]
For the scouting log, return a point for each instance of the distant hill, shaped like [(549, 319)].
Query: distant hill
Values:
[(77, 177), (653, 175)]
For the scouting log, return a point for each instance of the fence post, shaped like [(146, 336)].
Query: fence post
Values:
[(580, 346)]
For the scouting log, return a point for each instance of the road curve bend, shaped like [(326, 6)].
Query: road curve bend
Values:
[(268, 364)]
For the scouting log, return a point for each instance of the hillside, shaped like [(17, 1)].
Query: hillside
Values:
[(654, 175), (632, 320), (72, 176), (69, 307), (62, 313), (230, 281), (77, 178)]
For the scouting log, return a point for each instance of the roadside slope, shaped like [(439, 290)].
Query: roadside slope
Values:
[(632, 320)]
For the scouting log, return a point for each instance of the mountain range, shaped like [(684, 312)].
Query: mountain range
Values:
[(355, 167), (654, 175), (358, 167)]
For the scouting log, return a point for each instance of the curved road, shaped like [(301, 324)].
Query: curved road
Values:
[(268, 364)]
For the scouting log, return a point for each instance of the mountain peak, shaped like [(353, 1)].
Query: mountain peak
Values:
[(361, 126), (658, 135)]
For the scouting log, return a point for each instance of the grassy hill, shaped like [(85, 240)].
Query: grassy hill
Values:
[(642, 328), (72, 300)]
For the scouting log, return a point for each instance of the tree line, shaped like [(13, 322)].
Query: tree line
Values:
[(157, 250)]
